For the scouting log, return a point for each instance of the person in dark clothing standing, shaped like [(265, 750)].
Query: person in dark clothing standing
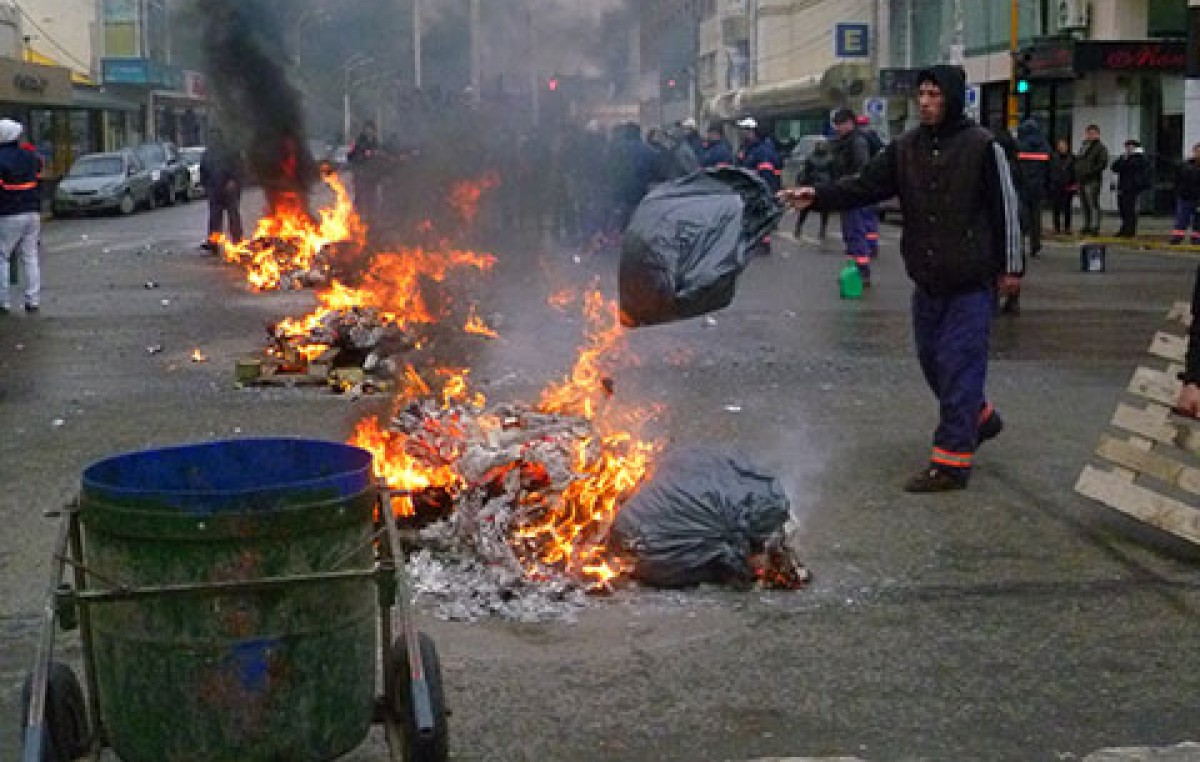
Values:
[(365, 158), (715, 150), (851, 152), (20, 214), (222, 173), (961, 234), (758, 154), (1061, 186), (1187, 196), (818, 170), (1133, 177), (1089, 171), (634, 168), (1188, 402), (1033, 159)]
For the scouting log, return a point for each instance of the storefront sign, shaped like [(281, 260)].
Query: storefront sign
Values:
[(898, 82), (1051, 61), (852, 40), (141, 71), (195, 85), (22, 82), (1147, 57)]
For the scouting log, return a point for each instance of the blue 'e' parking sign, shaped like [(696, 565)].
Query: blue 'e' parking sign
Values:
[(852, 40)]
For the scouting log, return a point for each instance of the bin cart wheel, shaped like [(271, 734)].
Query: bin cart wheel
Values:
[(66, 722), (436, 748)]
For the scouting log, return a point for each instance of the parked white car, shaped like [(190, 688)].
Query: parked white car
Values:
[(192, 156)]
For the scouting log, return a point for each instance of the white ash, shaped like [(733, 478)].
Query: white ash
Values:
[(459, 589), (516, 463)]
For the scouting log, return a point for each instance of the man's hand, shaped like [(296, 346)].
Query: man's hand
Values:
[(1188, 403), (798, 198), (1009, 285)]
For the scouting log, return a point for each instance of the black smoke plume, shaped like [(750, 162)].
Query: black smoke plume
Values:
[(257, 106)]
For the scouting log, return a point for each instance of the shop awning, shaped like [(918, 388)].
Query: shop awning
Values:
[(77, 78)]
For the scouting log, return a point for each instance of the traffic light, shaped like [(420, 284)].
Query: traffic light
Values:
[(1021, 72), (552, 84)]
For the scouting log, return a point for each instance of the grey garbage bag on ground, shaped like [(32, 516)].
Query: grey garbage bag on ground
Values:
[(688, 241), (699, 518)]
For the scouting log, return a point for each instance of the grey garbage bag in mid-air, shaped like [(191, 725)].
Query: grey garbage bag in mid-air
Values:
[(699, 518), (688, 241)]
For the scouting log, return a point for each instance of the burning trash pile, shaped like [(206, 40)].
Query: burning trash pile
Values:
[(293, 249), (516, 505)]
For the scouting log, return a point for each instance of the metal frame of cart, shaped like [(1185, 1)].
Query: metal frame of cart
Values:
[(411, 708)]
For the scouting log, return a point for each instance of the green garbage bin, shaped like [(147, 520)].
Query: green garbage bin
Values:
[(282, 673)]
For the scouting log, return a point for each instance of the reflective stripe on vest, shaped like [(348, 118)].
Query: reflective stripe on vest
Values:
[(1033, 156), (18, 186)]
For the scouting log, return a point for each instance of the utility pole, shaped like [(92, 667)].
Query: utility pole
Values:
[(1191, 85), (416, 25), (476, 52), (1014, 44)]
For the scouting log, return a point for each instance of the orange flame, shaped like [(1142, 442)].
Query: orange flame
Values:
[(466, 195), (476, 326), (289, 240), (397, 467), (587, 387)]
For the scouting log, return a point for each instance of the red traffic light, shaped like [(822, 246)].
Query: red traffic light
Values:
[(552, 84), (670, 83)]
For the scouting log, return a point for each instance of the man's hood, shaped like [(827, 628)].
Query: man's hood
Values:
[(953, 82), (1028, 129)]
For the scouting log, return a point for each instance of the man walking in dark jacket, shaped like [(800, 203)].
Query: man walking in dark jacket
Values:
[(961, 234), (851, 152), (1033, 158), (1187, 196), (714, 149), (20, 214), (1133, 177)]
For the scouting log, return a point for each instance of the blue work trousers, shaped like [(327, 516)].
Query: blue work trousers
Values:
[(854, 234), (952, 334)]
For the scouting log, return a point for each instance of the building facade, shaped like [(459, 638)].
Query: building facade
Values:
[(1118, 64)]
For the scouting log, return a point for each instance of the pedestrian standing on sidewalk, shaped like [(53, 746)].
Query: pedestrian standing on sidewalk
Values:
[(961, 233), (1133, 177), (1061, 187), (1187, 196), (20, 214), (1089, 171)]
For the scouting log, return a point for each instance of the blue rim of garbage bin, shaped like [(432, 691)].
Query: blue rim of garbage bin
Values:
[(114, 480)]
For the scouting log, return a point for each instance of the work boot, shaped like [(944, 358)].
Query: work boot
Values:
[(990, 426), (934, 479)]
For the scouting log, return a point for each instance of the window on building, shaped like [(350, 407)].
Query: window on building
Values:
[(1166, 18)]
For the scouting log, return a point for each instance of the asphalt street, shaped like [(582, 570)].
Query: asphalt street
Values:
[(1015, 621)]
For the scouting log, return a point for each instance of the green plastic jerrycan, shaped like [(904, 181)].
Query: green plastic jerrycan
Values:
[(850, 282)]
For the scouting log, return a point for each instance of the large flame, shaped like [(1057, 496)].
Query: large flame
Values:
[(289, 239)]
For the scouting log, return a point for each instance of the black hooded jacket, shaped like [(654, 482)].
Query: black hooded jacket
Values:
[(961, 211)]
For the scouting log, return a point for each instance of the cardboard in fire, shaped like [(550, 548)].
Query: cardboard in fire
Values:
[(688, 242)]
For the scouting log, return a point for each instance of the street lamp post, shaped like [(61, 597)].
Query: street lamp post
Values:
[(354, 62)]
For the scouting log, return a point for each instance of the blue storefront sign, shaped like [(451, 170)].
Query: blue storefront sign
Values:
[(852, 40), (141, 71)]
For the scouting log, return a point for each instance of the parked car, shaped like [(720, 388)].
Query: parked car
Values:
[(192, 156), (98, 182), (170, 174)]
